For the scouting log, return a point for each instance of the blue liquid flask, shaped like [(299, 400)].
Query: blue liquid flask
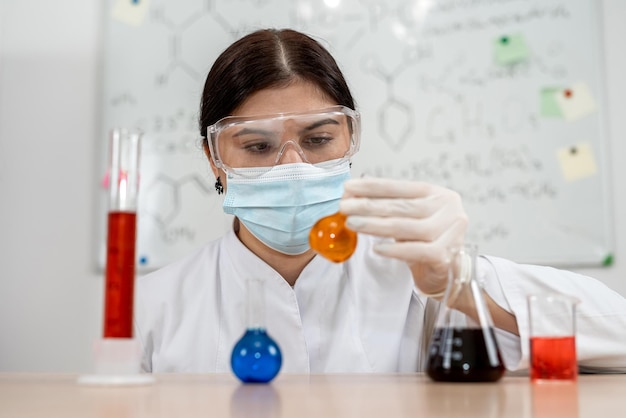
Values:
[(256, 357)]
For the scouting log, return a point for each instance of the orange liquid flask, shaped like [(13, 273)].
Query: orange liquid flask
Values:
[(332, 239)]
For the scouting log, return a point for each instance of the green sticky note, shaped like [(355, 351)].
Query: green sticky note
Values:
[(510, 49), (549, 106)]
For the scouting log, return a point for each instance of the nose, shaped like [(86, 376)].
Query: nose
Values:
[(290, 153)]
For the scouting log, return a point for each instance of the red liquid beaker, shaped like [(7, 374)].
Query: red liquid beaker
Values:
[(552, 337)]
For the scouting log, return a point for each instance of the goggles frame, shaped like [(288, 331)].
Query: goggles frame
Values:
[(229, 121)]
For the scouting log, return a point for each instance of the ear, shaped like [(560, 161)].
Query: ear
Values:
[(207, 152)]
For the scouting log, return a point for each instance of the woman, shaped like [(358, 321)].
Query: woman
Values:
[(280, 174)]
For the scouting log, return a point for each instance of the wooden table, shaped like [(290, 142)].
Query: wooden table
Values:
[(319, 396)]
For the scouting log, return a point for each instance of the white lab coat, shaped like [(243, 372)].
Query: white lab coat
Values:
[(364, 315)]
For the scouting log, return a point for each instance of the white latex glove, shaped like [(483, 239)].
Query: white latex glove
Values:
[(424, 219)]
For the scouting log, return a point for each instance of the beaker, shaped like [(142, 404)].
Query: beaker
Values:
[(552, 328), (256, 357), (463, 346)]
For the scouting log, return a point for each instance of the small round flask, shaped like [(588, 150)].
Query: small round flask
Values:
[(463, 347), (256, 357), (331, 238)]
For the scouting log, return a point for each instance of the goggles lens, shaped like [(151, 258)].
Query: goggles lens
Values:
[(318, 137)]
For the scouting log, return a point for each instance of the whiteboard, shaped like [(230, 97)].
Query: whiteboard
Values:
[(500, 100)]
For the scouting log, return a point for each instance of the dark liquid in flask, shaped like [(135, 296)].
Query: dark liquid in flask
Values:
[(461, 355)]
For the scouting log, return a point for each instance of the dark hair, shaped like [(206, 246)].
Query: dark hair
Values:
[(268, 58)]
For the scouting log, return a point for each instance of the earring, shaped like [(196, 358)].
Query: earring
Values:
[(219, 186)]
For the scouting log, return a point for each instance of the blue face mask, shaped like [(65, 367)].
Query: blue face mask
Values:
[(280, 206)]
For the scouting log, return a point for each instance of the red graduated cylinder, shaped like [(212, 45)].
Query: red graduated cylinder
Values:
[(120, 275)]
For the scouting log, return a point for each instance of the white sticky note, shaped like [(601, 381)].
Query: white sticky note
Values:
[(576, 101), (577, 162), (131, 12)]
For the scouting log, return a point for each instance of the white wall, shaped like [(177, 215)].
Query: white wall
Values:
[(50, 293)]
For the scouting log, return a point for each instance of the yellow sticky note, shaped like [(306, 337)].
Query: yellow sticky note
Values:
[(131, 12), (577, 162), (576, 101)]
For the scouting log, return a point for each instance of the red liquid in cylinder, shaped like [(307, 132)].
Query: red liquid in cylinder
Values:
[(553, 358), (120, 275)]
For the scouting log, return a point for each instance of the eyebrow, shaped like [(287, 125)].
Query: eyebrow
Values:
[(320, 123), (248, 131), (314, 125)]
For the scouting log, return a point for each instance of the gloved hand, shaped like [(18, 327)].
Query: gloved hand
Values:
[(424, 220)]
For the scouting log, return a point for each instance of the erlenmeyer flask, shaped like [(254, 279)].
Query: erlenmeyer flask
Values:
[(463, 347)]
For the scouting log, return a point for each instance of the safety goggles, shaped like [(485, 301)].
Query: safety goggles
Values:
[(328, 136)]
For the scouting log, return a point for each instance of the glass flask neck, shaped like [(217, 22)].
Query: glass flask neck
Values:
[(256, 304), (463, 263), (465, 298)]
